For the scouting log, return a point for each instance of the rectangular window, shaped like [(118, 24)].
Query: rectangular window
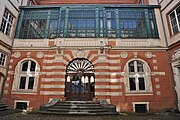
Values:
[(111, 24), (33, 24), (2, 59), (132, 83), (22, 83), (132, 24), (25, 66), (141, 84), (21, 105), (7, 21), (140, 108), (131, 67), (81, 23), (53, 28), (31, 83), (175, 20), (33, 66)]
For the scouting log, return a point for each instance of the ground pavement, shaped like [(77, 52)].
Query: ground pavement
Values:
[(12, 115)]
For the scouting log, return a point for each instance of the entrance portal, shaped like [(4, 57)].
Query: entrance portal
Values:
[(79, 80)]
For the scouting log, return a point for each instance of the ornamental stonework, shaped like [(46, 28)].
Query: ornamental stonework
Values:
[(124, 54), (40, 55), (176, 55), (148, 55), (80, 53), (17, 54)]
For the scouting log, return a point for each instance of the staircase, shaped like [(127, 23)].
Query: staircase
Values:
[(3, 107), (79, 108)]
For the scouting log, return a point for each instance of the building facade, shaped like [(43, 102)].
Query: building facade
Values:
[(79, 50), (170, 13), (8, 17)]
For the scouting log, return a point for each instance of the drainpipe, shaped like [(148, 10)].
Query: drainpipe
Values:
[(169, 58)]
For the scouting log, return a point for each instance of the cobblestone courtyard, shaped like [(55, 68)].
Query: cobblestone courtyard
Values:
[(123, 116)]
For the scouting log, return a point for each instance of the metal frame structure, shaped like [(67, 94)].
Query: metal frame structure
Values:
[(87, 21)]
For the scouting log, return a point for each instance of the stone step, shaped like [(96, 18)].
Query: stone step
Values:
[(3, 107), (78, 107), (77, 113), (76, 110), (78, 104)]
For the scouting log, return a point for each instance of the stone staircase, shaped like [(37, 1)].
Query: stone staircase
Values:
[(3, 107), (78, 108)]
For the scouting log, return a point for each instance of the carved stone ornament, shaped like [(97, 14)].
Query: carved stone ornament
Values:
[(80, 53), (176, 55), (40, 54), (124, 54), (148, 55), (17, 54)]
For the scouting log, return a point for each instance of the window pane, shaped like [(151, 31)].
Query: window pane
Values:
[(22, 83), (141, 84), (131, 67), (7, 21), (2, 59), (25, 66), (172, 15), (81, 23), (33, 66), (178, 11), (140, 67), (132, 83), (132, 24), (31, 83), (175, 29), (53, 28)]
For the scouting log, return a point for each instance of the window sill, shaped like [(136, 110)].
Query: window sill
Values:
[(32, 92), (138, 93)]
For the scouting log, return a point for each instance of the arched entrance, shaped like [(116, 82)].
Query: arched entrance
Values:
[(80, 80)]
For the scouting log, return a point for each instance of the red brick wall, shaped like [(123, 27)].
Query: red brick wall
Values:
[(123, 102)]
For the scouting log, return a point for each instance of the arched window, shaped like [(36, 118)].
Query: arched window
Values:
[(137, 75), (26, 76)]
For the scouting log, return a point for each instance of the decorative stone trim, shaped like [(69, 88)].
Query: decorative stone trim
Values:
[(40, 55), (28, 54), (79, 53), (51, 93), (135, 54), (155, 67), (154, 61), (148, 55), (176, 54), (156, 79), (5, 92), (17, 54), (158, 92), (157, 86), (124, 54)]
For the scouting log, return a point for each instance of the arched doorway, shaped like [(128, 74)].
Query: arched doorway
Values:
[(80, 80)]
